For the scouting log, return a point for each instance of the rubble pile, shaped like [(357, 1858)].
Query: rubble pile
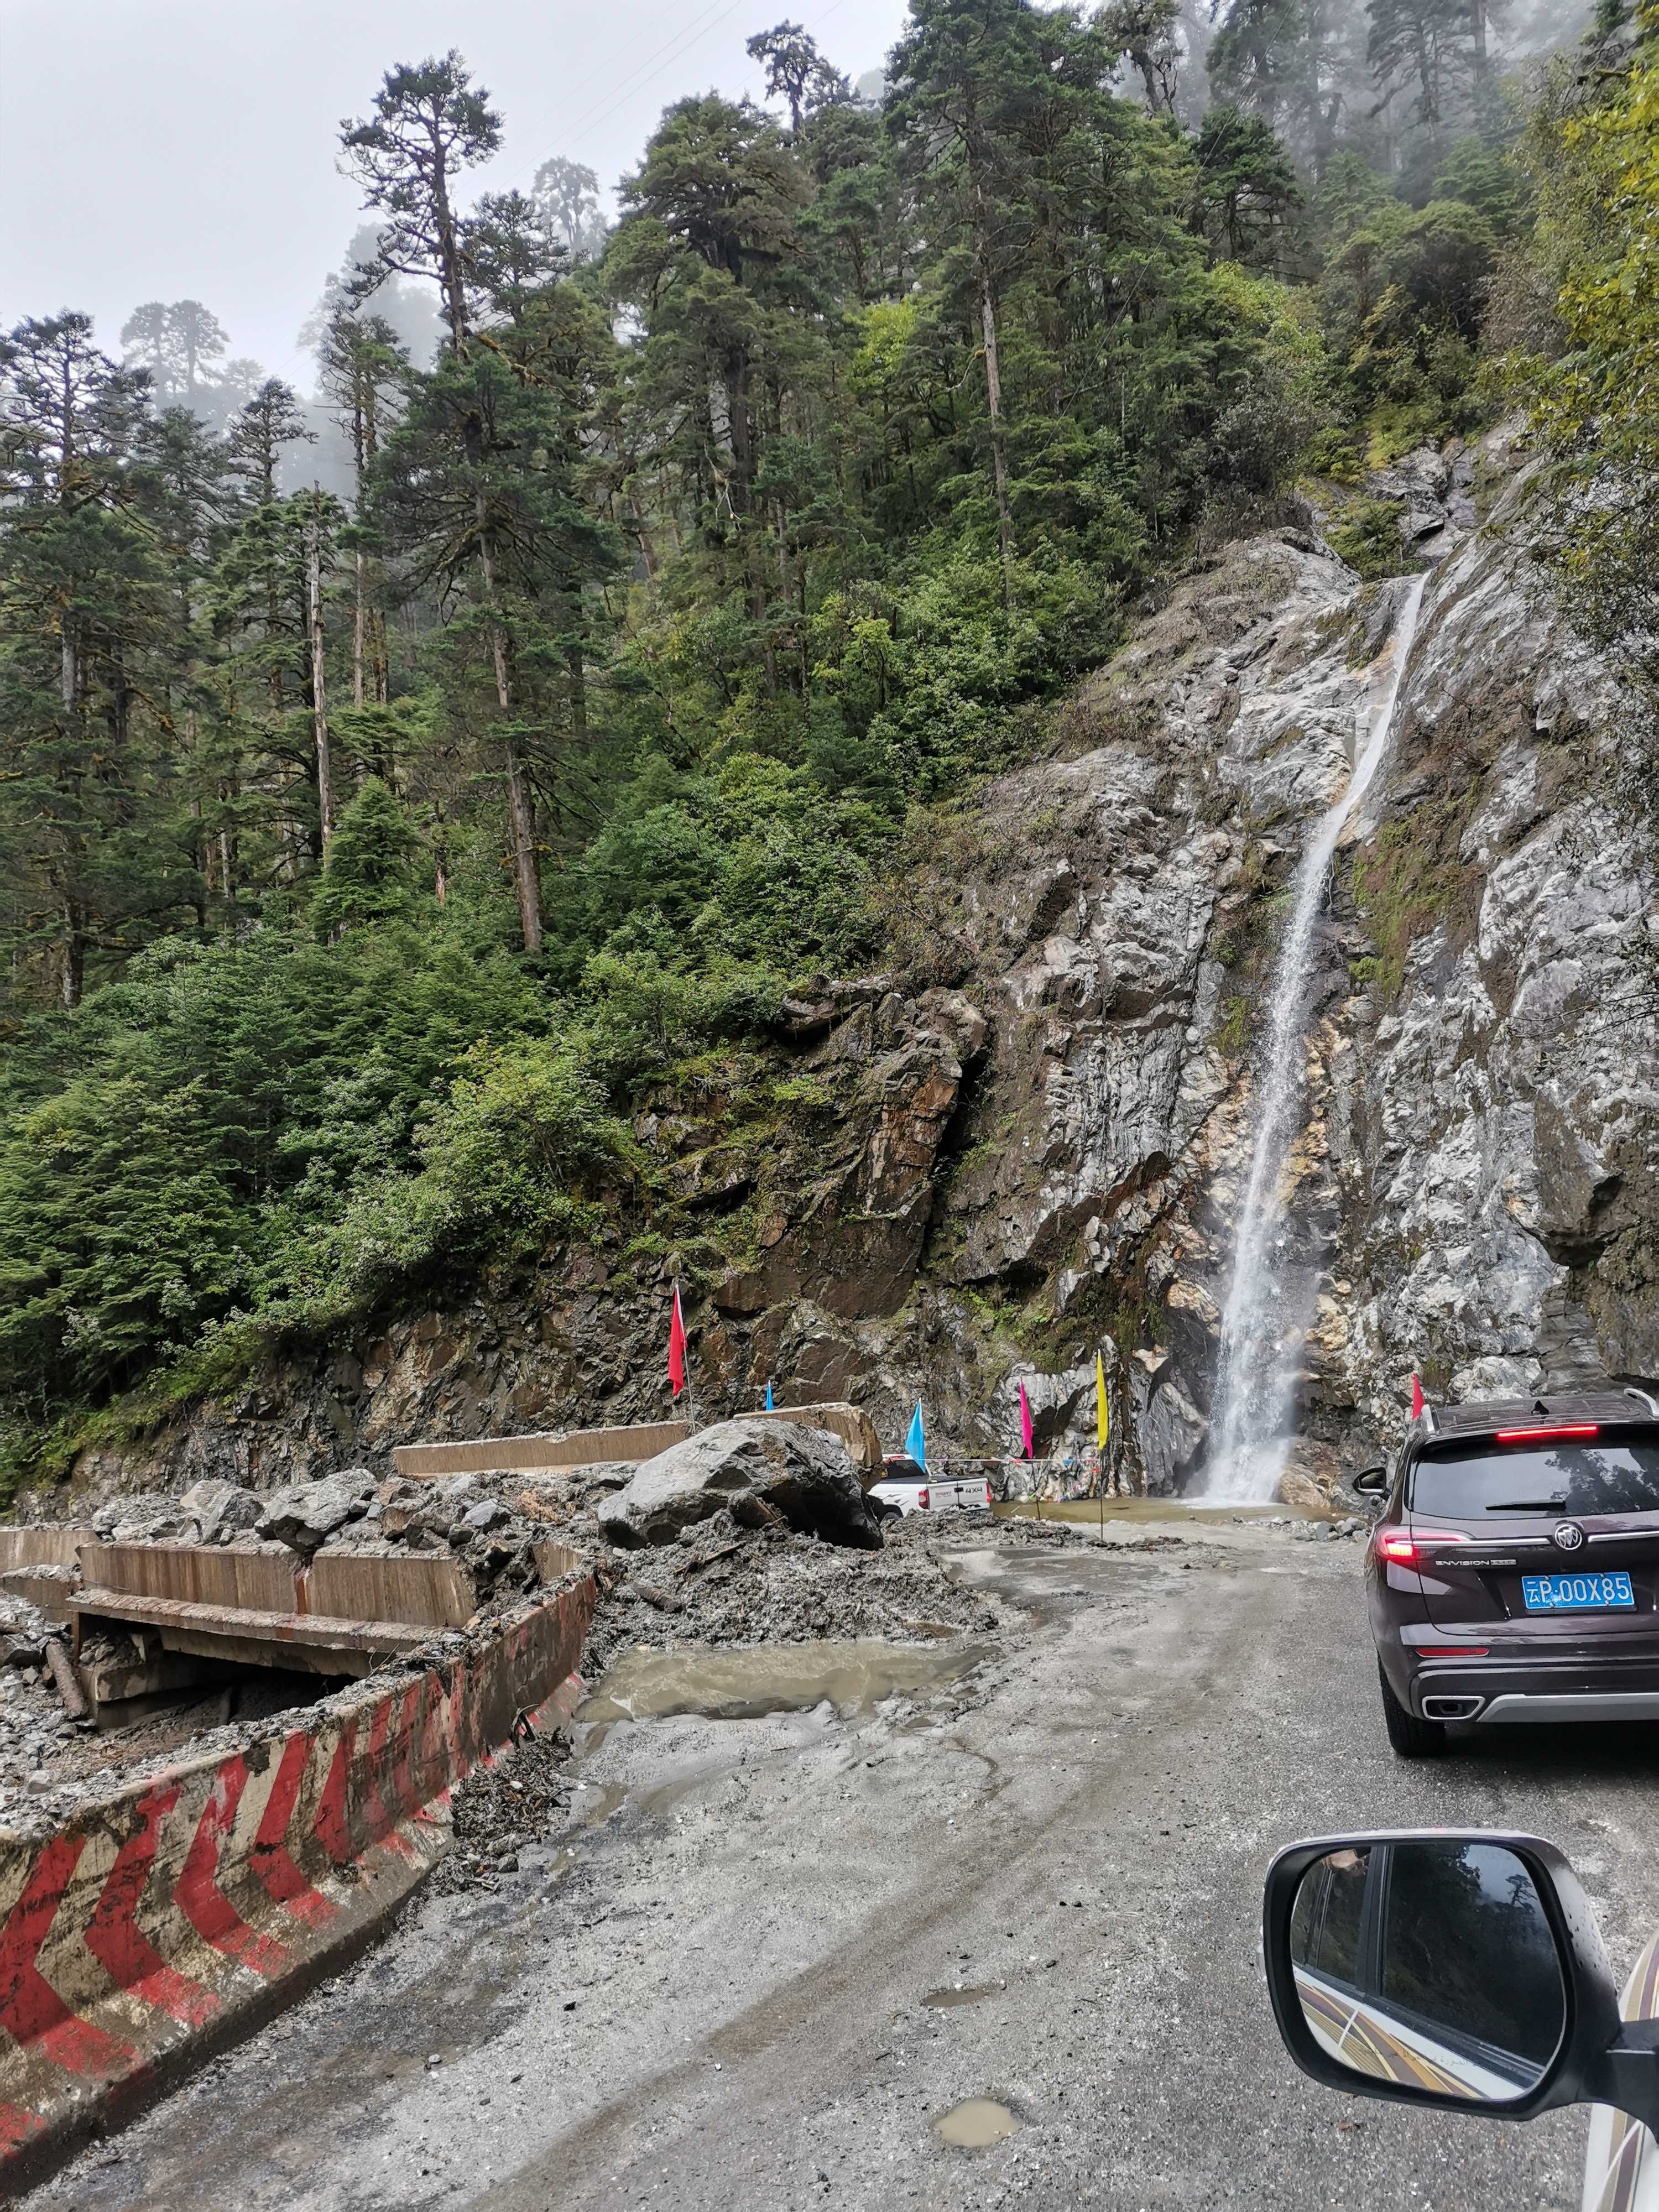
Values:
[(741, 1536), (501, 1809), (50, 1761), (489, 1523), (720, 1584)]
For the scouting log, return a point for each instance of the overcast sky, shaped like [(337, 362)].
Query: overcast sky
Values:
[(164, 149)]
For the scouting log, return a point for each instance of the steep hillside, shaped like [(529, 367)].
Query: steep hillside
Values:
[(1024, 1140)]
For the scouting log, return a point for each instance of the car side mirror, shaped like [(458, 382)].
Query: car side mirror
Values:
[(1371, 1481), (1462, 1970)]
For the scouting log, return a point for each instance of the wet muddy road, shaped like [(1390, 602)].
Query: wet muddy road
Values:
[(775, 1952)]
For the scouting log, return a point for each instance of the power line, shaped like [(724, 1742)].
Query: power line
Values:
[(635, 83), (595, 75), (673, 49)]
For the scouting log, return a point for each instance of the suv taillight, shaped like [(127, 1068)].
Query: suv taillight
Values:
[(1403, 1548), (921, 1499)]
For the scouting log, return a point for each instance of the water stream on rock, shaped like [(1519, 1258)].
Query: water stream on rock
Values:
[(1263, 1321)]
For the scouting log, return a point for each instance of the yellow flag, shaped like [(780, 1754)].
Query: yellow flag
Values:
[(1103, 1409)]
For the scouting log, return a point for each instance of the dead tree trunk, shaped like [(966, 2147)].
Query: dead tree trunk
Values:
[(521, 816), (319, 689)]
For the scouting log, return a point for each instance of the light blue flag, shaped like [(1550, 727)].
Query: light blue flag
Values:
[(916, 1442), (768, 1398)]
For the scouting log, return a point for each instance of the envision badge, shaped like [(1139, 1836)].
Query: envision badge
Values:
[(1569, 1535)]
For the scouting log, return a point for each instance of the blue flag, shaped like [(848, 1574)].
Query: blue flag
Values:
[(768, 1398), (916, 1442)]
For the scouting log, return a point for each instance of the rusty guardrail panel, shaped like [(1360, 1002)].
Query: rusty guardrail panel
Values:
[(540, 1454), (254, 1636), (548, 1453), (395, 1586), (196, 1573), (52, 1546)]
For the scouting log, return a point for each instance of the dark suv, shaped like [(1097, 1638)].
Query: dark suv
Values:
[(1515, 1573)]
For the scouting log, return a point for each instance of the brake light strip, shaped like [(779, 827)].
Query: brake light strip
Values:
[(1560, 1429)]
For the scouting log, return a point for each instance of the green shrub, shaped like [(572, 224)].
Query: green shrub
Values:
[(1368, 539)]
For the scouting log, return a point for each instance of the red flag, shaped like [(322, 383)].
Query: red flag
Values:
[(1417, 1400), (677, 1348)]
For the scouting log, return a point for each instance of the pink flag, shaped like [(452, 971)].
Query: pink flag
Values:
[(1417, 1398), (676, 1347), (1024, 1424)]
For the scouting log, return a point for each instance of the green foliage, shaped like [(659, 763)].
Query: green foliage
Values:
[(675, 609), (1594, 152), (225, 1100), (524, 1129), (1368, 538), (1413, 882), (369, 873)]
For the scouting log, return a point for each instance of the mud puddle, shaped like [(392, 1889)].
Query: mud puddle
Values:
[(1117, 1512), (745, 1684), (976, 2124), (942, 2000)]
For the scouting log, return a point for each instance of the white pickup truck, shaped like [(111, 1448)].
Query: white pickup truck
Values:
[(904, 1487)]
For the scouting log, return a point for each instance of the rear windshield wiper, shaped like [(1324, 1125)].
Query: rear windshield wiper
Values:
[(1527, 1504)]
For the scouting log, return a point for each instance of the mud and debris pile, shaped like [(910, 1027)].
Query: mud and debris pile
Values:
[(762, 1542), (720, 1584), (521, 1798)]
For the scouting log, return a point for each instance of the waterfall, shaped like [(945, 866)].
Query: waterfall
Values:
[(1264, 1319)]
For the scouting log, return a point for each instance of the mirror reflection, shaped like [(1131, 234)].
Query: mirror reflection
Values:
[(1431, 1964)]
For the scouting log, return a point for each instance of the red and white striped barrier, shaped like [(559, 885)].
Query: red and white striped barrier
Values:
[(167, 1920)]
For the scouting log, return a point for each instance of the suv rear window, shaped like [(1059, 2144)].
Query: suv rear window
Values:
[(903, 1470), (1617, 1474)]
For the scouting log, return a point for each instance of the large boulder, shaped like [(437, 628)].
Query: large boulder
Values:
[(743, 1467), (220, 1511), (310, 1512)]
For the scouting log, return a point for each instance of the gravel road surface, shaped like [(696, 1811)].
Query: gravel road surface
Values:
[(764, 1957)]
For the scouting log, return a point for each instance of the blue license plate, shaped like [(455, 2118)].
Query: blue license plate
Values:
[(1578, 1593)]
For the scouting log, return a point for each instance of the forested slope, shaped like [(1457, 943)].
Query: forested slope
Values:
[(427, 887)]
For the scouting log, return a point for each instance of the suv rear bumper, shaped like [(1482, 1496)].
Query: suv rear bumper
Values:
[(1608, 1706), (1578, 1686)]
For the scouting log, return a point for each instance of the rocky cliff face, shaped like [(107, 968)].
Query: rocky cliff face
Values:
[(1027, 1142)]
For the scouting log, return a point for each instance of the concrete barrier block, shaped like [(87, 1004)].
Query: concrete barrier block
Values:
[(176, 1915)]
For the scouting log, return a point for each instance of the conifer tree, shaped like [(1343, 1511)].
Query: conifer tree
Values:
[(430, 124), (88, 627)]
